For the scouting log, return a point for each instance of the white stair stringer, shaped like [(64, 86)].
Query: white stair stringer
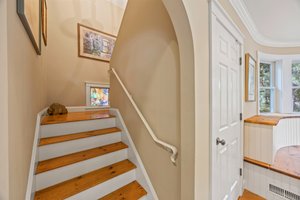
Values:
[(133, 155), (52, 177), (59, 149), (105, 188), (52, 130)]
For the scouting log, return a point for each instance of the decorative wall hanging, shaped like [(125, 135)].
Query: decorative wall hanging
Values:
[(30, 14), (44, 21), (250, 85), (95, 44)]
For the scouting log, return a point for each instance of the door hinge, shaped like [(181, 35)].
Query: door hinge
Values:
[(240, 60), (241, 116), (241, 172)]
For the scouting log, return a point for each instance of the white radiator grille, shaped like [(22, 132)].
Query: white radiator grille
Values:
[(283, 193)]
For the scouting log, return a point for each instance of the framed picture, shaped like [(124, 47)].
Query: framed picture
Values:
[(30, 14), (44, 21), (95, 44), (250, 85)]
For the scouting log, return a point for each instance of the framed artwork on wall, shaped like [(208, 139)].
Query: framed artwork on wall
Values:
[(30, 14), (250, 85), (45, 21), (95, 44)]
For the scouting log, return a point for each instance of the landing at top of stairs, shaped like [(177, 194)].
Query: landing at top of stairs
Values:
[(76, 116)]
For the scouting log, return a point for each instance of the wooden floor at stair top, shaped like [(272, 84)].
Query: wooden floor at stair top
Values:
[(76, 185), (76, 116), (247, 195), (62, 161), (132, 191), (75, 136)]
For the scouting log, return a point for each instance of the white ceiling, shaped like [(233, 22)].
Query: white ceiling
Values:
[(274, 22), (121, 3)]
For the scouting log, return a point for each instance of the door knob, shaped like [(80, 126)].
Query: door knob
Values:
[(222, 142)]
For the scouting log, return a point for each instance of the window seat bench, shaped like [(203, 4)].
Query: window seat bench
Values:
[(273, 142)]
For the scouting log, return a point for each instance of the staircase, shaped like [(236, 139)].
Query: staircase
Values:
[(87, 155)]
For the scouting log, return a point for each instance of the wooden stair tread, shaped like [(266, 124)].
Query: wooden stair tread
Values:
[(76, 185), (132, 191), (75, 136), (247, 195), (61, 161), (76, 116)]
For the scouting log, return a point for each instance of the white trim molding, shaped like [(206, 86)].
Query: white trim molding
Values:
[(244, 15)]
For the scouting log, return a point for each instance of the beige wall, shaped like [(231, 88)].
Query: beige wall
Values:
[(252, 47), (147, 59), (4, 171), (26, 97), (66, 72)]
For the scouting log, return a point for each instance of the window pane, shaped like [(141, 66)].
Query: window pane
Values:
[(265, 100), (296, 74), (99, 96), (265, 75), (296, 99)]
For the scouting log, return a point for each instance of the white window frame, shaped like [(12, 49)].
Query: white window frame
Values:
[(88, 86), (272, 86), (283, 86), (294, 87)]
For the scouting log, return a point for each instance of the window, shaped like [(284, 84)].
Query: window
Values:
[(296, 86), (97, 94), (266, 87)]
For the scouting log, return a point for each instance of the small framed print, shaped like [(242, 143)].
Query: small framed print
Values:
[(250, 85)]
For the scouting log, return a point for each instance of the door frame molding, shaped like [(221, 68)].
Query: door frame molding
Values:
[(219, 15)]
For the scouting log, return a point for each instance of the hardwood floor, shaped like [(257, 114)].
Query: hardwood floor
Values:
[(76, 116), (247, 195), (132, 191)]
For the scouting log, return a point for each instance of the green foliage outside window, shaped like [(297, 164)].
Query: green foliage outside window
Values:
[(265, 93), (296, 83)]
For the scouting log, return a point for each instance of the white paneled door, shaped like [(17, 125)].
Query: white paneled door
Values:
[(226, 109)]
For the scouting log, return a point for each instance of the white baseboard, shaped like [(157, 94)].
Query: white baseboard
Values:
[(141, 174), (31, 184)]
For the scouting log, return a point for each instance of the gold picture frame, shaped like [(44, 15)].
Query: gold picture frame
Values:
[(29, 12), (250, 79), (95, 44), (45, 21)]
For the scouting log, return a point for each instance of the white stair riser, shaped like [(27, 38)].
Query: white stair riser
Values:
[(55, 176), (106, 187), (76, 127), (144, 198), (64, 148)]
